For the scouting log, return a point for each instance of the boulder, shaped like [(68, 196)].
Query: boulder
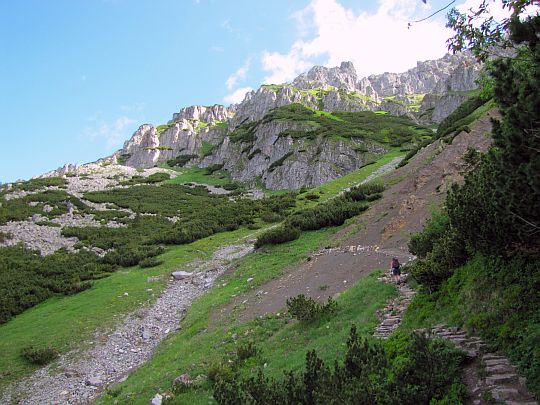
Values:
[(180, 275), (94, 381)]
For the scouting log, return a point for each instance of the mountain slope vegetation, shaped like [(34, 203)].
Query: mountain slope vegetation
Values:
[(480, 257)]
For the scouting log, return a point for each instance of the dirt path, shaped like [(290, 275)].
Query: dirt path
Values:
[(80, 377)]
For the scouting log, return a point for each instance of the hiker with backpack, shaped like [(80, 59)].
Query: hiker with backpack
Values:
[(396, 270)]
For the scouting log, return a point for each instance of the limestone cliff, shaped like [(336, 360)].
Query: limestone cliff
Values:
[(201, 135)]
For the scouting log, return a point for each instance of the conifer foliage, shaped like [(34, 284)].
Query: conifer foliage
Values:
[(497, 209)]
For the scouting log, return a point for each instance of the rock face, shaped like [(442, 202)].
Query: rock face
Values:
[(202, 113), (319, 77), (426, 93), (283, 162)]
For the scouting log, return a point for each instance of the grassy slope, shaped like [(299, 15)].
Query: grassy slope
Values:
[(198, 175), (198, 345), (65, 322)]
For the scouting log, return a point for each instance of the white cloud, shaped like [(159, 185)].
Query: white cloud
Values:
[(237, 76), (112, 133), (285, 67), (375, 42), (237, 96), (216, 48)]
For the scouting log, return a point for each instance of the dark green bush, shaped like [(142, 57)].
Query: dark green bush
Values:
[(246, 351), (307, 309), (213, 168), (277, 235), (414, 151), (454, 120), (271, 217), (419, 372), (150, 262), (434, 229), (27, 278), (180, 160), (364, 125), (39, 356), (331, 213), (219, 372), (231, 186), (152, 179), (279, 162), (244, 133), (36, 184)]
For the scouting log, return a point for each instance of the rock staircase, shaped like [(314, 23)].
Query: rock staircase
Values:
[(489, 376), (393, 311), (494, 373)]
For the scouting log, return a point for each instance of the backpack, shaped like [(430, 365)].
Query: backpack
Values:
[(395, 263)]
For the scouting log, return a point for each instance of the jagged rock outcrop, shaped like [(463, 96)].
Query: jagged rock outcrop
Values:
[(183, 135), (141, 147), (454, 72), (256, 104), (283, 162), (436, 107), (319, 77), (213, 113), (427, 93)]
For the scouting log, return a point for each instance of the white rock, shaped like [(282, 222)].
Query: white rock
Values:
[(180, 275), (156, 400)]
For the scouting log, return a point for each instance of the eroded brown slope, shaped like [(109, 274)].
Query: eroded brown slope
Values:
[(379, 234)]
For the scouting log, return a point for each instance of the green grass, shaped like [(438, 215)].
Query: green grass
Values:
[(66, 322), (160, 129), (332, 188), (310, 124), (199, 175), (221, 124), (207, 148), (283, 343)]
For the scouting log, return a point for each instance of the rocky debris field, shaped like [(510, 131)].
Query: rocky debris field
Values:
[(46, 239), (36, 234), (79, 377)]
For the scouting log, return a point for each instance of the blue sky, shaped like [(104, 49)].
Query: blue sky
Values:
[(78, 77)]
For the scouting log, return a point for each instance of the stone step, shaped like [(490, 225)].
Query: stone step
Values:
[(457, 340), (521, 403), (503, 394), (449, 335), (500, 369), (490, 356), (472, 345), (497, 379), (496, 362)]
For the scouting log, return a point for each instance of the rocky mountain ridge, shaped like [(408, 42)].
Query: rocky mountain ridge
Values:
[(201, 135)]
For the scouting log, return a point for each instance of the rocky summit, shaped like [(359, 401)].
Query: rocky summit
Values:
[(253, 146)]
